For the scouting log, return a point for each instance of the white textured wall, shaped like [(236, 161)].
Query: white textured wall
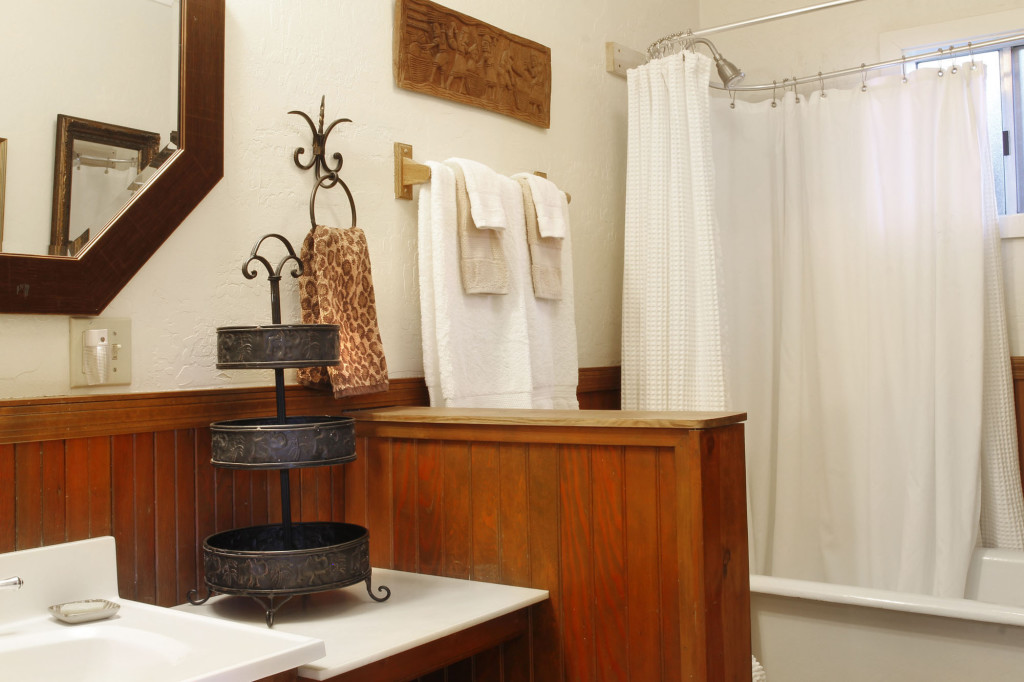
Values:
[(283, 55)]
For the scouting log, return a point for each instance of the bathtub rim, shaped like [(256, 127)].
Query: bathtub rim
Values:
[(963, 609)]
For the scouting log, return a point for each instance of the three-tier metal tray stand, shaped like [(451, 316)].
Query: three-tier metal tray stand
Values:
[(272, 563)]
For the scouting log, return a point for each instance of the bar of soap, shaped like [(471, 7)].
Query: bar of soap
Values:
[(84, 611)]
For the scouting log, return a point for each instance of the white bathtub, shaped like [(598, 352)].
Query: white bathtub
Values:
[(815, 632)]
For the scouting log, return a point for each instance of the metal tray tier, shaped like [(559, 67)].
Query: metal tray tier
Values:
[(267, 443), (278, 346), (280, 561)]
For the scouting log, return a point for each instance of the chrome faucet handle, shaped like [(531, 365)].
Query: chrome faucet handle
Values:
[(12, 583)]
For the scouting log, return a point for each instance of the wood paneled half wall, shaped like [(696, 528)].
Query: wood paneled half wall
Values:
[(634, 522), (137, 466)]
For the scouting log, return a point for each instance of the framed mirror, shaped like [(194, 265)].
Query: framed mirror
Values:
[(105, 163), (85, 283)]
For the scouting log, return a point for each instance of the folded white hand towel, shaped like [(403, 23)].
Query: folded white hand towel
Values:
[(484, 188), (552, 206)]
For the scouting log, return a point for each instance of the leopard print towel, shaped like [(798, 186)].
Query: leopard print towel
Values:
[(336, 287)]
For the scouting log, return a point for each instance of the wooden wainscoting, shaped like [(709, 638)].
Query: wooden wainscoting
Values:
[(638, 531), (137, 466)]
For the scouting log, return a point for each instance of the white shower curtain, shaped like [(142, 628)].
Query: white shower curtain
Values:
[(672, 340), (863, 331)]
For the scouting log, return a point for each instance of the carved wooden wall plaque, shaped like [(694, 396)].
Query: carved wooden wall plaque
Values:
[(447, 54)]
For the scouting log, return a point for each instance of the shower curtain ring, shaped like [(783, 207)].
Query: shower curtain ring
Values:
[(774, 103), (821, 82), (903, 66), (732, 95), (954, 69), (863, 77), (797, 94), (942, 71), (970, 49)]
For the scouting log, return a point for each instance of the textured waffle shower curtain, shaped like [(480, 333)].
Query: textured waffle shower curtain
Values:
[(830, 266)]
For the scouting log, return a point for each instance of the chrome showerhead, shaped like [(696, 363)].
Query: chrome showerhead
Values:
[(728, 72)]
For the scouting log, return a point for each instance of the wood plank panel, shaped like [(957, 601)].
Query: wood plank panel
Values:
[(485, 491), (241, 496), (324, 492), (668, 567), (145, 519), (610, 596), (54, 499), (308, 504), (458, 538), (379, 505), (544, 519), (338, 484), (28, 482), (76, 468), (260, 490), (223, 499), (8, 539), (206, 513), (98, 449), (185, 512), (514, 547), (356, 479), (642, 562), (576, 540), (727, 554), (404, 540), (429, 508), (122, 462), (164, 511)]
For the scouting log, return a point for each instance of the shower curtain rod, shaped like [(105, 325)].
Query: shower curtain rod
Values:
[(951, 51), (683, 35)]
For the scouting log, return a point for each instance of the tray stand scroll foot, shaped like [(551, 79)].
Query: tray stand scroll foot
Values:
[(193, 595), (380, 588)]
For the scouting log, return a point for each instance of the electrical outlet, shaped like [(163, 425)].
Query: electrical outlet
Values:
[(118, 357)]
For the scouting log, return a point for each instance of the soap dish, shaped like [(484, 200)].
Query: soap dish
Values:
[(84, 611)]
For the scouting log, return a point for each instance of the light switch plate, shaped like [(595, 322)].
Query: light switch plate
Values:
[(121, 351)]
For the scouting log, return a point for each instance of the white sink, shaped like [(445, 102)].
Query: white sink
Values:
[(140, 642)]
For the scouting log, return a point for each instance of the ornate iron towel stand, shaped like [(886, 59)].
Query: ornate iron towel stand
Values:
[(272, 563)]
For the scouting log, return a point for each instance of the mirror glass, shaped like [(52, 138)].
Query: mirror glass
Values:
[(112, 64)]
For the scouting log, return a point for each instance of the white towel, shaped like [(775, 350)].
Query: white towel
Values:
[(476, 350), (552, 207), (554, 363), (485, 194)]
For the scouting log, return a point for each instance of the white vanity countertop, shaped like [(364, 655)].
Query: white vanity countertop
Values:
[(358, 631), (138, 642)]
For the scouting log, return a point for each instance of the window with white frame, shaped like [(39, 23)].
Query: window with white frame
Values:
[(1004, 66)]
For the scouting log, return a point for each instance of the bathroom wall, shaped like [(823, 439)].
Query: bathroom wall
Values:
[(862, 32), (284, 55)]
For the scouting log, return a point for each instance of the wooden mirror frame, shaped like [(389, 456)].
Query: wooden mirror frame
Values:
[(85, 284)]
